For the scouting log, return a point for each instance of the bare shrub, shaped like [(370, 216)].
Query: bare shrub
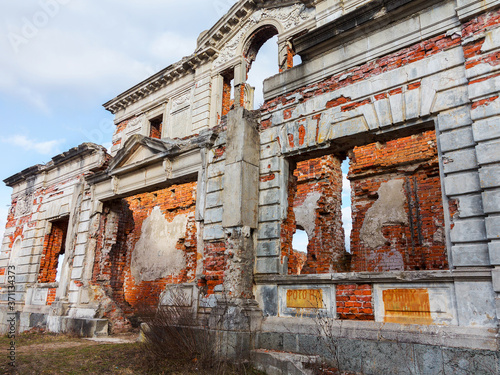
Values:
[(174, 332)]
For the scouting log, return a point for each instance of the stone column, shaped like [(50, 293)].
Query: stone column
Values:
[(237, 314)]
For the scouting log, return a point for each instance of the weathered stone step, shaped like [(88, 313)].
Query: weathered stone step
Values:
[(283, 363)]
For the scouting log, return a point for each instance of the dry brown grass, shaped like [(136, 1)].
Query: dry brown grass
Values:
[(44, 353)]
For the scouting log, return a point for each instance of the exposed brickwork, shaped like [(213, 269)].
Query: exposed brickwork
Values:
[(354, 302), (120, 128), (326, 249), (156, 128), (214, 264), (373, 68), (120, 234), (51, 296), (226, 96), (53, 246), (420, 244)]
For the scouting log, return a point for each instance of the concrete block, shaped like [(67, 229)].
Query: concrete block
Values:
[(269, 265), (83, 227), (213, 215), (476, 303), (80, 249), (267, 297), (489, 176), (213, 200), (488, 152), (269, 150), (470, 255), (494, 251), (456, 161), (78, 261), (243, 141), (269, 197), (268, 248), (485, 130), (215, 184), (215, 169), (491, 201), (213, 232), (485, 111), (269, 213), (76, 273), (465, 362), (241, 195), (456, 139), (455, 118), (269, 231), (269, 165), (85, 216), (82, 238), (493, 227), (468, 230), (429, 359), (451, 98), (470, 205), (485, 88), (462, 183)]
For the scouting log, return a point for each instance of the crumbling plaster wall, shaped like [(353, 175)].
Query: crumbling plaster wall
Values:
[(146, 241), (42, 195)]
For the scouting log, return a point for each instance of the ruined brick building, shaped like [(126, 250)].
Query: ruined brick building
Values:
[(203, 193)]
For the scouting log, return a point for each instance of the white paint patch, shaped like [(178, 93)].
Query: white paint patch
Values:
[(388, 209), (155, 255), (305, 214)]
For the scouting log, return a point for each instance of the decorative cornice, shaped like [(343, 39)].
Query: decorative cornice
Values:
[(209, 44), (79, 151), (171, 73)]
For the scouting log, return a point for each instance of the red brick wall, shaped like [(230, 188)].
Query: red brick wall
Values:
[(326, 249), (156, 128), (373, 68), (53, 245), (214, 264), (115, 248), (226, 96), (476, 27), (354, 302), (420, 244), (51, 296)]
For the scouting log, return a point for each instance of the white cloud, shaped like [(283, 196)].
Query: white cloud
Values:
[(104, 47), (44, 148)]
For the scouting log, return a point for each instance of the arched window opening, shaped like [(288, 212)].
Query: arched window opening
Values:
[(262, 62)]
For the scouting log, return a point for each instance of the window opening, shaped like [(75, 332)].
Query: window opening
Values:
[(297, 60), (227, 92), (53, 252), (300, 242), (60, 260), (156, 126), (346, 205), (262, 67)]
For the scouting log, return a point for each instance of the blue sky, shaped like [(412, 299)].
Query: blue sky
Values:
[(60, 60)]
